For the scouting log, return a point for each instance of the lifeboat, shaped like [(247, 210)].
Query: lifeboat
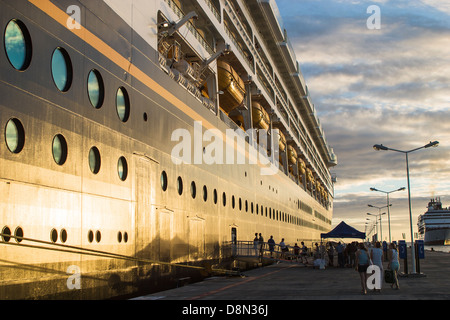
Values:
[(309, 175), (281, 141), (232, 86), (301, 166), (261, 119), (292, 155)]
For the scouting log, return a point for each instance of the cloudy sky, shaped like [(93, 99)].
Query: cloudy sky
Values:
[(387, 86)]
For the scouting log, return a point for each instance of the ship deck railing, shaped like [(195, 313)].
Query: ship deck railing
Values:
[(248, 249)]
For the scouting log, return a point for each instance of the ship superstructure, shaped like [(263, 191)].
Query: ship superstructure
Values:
[(434, 224), (105, 189)]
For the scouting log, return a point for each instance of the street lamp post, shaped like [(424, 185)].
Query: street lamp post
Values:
[(376, 219), (379, 147), (388, 205)]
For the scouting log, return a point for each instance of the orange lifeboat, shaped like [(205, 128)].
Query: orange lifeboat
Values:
[(292, 155), (232, 86), (301, 166), (261, 119)]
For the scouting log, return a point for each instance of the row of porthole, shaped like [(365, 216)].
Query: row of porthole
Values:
[(19, 50), (15, 141), (19, 235), (277, 215)]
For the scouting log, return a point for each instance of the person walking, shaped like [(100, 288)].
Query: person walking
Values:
[(261, 244), (256, 244), (304, 254), (283, 248), (331, 255), (394, 264), (271, 244), (377, 258), (362, 263), (340, 251)]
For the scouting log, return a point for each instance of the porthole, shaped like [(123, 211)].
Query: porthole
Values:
[(233, 202), (14, 136), (18, 234), (61, 69), (193, 190), (6, 234), (224, 199), (96, 89), (164, 181), (59, 149), (246, 206), (122, 104), (215, 196), (180, 186), (90, 236), (205, 193), (240, 204), (17, 43), (125, 237), (94, 160), (63, 236), (122, 168), (98, 236), (119, 237), (251, 207), (54, 235)]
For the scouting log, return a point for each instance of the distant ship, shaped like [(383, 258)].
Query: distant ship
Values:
[(434, 224), (94, 202)]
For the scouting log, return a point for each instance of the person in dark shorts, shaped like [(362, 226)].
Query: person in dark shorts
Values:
[(362, 263)]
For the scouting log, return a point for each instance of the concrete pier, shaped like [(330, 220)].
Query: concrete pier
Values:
[(292, 281)]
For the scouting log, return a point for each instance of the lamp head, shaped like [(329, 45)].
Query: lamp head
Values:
[(373, 189), (379, 147), (401, 189), (432, 144)]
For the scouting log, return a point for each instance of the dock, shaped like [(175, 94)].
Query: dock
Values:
[(294, 281)]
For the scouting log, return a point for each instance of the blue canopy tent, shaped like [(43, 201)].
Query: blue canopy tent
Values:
[(343, 230)]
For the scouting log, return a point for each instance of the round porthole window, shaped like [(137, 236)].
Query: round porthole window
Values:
[(59, 149), (18, 47), (61, 69), (94, 160), (122, 168), (123, 104), (96, 89), (14, 136), (180, 186), (164, 181)]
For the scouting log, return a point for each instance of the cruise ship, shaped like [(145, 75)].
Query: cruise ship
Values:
[(116, 174), (434, 224)]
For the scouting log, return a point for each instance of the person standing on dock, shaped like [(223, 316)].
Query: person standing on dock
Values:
[(261, 244), (394, 264), (377, 258), (271, 243), (362, 263), (256, 244)]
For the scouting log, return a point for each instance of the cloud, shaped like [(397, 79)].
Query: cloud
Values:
[(386, 86)]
